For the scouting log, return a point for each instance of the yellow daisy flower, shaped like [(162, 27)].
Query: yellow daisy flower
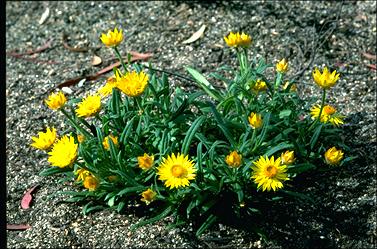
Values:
[(44, 139), (81, 174), (287, 157), (255, 120), (89, 106), (333, 156), (325, 79), (107, 89), (269, 173), (106, 143), (145, 161), (259, 86), (176, 171), (233, 159), (91, 182), (132, 83), (282, 66), (56, 100), (238, 40), (328, 114), (64, 152), (148, 196), (112, 38)]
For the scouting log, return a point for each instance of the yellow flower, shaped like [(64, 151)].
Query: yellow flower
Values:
[(237, 39), (176, 171), (89, 106), (44, 140), (132, 83), (287, 157), (145, 161), (112, 38), (282, 66), (80, 138), (326, 79), (64, 152), (106, 143), (56, 100), (148, 196), (328, 115), (333, 156), (81, 174), (91, 182), (269, 173), (293, 87), (260, 85), (233, 159), (255, 120), (107, 89)]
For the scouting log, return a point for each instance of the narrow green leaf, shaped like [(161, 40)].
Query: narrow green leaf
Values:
[(204, 84), (281, 146), (162, 215), (222, 126), (209, 221), (191, 133), (315, 136)]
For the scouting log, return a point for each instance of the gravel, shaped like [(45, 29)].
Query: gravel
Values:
[(344, 212)]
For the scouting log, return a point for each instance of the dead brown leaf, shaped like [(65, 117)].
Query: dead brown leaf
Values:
[(196, 35)]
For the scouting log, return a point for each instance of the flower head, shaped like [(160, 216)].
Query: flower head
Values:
[(269, 173), (91, 182), (81, 174), (148, 196), (282, 66), (238, 40), (112, 38), (287, 157), (107, 89), (333, 156), (259, 86), (106, 143), (176, 171), (89, 106), (255, 120), (80, 138), (328, 114), (293, 87), (145, 161), (44, 139), (56, 100), (325, 79), (132, 83), (64, 152), (233, 159)]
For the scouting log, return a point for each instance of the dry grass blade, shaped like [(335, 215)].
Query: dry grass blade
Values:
[(196, 35)]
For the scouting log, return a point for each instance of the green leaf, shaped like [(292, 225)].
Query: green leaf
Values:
[(299, 168), (221, 124), (191, 133), (206, 224), (204, 84), (162, 215), (130, 190), (120, 206), (315, 136), (284, 113), (54, 170), (281, 146)]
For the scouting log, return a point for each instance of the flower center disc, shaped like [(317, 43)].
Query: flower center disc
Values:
[(271, 171), (329, 110), (178, 171)]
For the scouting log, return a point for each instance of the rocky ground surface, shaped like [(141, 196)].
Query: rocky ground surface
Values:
[(341, 35)]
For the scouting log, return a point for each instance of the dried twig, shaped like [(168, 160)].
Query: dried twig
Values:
[(73, 49), (44, 47)]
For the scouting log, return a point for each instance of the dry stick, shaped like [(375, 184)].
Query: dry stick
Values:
[(46, 46), (83, 49), (299, 75)]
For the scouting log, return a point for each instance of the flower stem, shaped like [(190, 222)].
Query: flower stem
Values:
[(320, 111), (74, 124), (120, 58)]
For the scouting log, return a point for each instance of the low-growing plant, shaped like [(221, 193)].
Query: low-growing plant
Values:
[(201, 156)]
